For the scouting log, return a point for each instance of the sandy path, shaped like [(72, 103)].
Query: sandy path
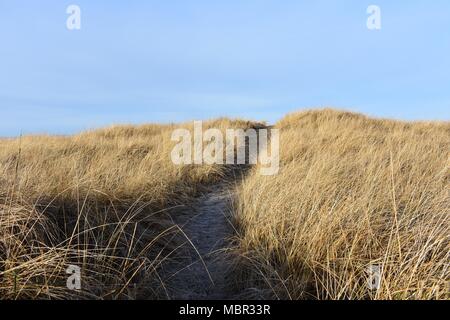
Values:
[(207, 227)]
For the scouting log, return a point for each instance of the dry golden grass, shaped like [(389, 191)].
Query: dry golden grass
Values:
[(352, 191), (97, 200)]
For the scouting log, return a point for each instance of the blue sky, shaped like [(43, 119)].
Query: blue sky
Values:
[(161, 61)]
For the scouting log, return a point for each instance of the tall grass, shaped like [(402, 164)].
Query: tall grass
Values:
[(352, 192), (98, 200)]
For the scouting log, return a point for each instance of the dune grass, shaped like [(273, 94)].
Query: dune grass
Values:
[(352, 192), (97, 200)]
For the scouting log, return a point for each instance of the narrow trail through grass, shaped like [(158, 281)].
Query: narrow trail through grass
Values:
[(204, 268)]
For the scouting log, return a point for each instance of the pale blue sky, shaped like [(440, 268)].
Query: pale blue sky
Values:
[(149, 61)]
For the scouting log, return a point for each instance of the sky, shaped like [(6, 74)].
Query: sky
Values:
[(167, 61)]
